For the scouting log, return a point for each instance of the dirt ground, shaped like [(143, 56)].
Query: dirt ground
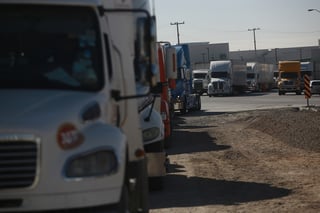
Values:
[(254, 161)]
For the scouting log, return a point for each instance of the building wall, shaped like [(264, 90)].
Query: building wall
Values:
[(272, 56), (201, 53)]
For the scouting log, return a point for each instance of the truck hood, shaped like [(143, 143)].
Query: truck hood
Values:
[(40, 109), (217, 80)]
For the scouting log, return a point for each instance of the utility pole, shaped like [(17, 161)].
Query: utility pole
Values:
[(254, 39), (178, 34)]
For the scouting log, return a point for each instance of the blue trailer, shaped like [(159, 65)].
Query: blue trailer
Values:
[(182, 97)]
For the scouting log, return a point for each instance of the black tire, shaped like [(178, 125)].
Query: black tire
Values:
[(156, 183), (123, 205), (167, 142), (184, 109), (198, 103)]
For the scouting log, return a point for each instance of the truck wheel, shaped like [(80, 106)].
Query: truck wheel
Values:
[(184, 109), (198, 103), (156, 183), (167, 142), (123, 205)]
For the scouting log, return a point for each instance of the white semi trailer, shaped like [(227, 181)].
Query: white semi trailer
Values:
[(260, 77), (226, 78)]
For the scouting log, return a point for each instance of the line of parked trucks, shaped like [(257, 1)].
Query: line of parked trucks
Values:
[(89, 95), (228, 78), (80, 128)]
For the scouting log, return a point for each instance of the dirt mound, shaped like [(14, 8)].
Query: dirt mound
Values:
[(297, 127)]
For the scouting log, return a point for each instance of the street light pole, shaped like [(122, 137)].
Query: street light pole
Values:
[(178, 34), (254, 39), (314, 10)]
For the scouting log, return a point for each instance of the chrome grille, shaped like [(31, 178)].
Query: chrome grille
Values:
[(18, 164), (288, 83), (198, 85)]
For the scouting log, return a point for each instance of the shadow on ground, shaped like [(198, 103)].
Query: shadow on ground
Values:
[(182, 191), (191, 142)]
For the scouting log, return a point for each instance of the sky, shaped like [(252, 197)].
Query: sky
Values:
[(282, 23)]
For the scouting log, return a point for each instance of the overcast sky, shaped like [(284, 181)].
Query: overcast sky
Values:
[(282, 23)]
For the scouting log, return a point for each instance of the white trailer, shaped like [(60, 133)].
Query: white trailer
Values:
[(238, 78), (70, 132), (226, 78), (220, 81), (260, 77)]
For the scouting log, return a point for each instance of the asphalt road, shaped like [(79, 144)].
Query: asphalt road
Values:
[(252, 101)]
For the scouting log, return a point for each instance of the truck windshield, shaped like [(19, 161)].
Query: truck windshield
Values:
[(49, 47), (199, 75), (219, 74), (292, 75)]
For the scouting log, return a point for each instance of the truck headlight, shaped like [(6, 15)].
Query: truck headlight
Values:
[(150, 134), (96, 163)]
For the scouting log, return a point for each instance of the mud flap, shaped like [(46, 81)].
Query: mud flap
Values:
[(156, 164)]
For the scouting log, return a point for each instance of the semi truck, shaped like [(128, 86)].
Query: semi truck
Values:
[(289, 79), (167, 78), (153, 133), (226, 78), (200, 80), (70, 132), (260, 77), (182, 97), (156, 119)]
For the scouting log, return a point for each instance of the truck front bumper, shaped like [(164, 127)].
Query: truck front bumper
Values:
[(72, 200)]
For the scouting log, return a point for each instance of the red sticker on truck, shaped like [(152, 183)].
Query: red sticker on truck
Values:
[(68, 136)]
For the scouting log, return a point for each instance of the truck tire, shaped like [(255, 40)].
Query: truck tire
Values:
[(184, 109), (123, 205), (156, 183), (198, 103)]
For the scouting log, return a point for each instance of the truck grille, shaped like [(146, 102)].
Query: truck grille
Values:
[(198, 85), (18, 164), (289, 83), (218, 85)]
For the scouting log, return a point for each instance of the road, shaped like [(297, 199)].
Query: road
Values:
[(251, 101)]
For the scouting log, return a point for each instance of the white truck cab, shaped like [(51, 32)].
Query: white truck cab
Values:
[(70, 132), (220, 73), (200, 81)]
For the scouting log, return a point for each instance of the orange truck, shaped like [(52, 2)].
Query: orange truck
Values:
[(167, 76), (289, 77)]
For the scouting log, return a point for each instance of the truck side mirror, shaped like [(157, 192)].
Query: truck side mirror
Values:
[(145, 58), (145, 51), (171, 63), (188, 74), (157, 89)]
